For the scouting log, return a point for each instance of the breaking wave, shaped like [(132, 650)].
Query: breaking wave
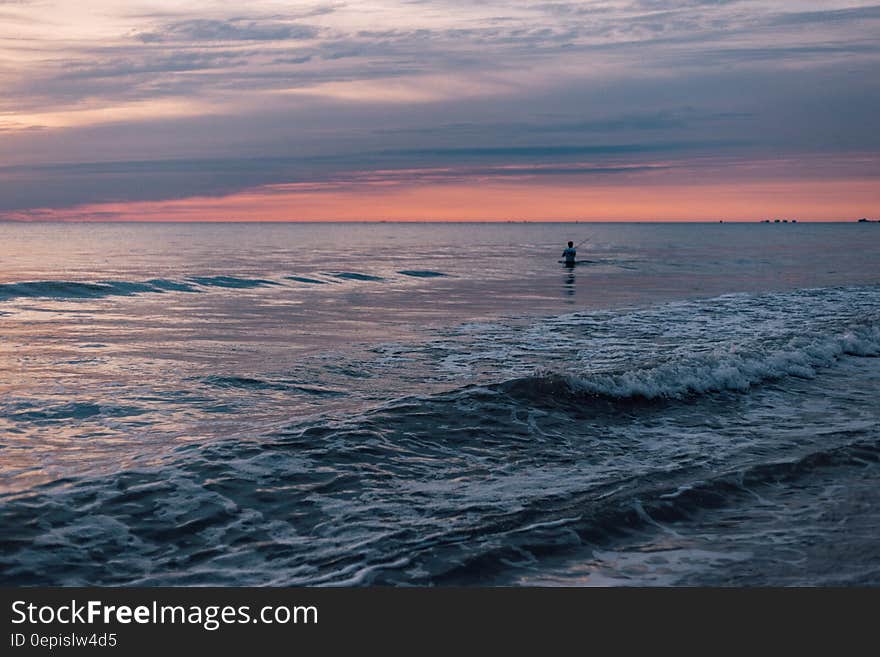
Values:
[(717, 372)]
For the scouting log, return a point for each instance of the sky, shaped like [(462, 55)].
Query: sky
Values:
[(503, 110)]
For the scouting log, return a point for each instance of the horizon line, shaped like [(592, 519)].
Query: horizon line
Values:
[(437, 221)]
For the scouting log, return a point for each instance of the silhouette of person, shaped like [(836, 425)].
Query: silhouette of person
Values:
[(570, 254)]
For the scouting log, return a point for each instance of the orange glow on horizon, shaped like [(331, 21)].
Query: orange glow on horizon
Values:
[(840, 200)]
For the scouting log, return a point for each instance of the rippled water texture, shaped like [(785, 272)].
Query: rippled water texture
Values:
[(439, 404)]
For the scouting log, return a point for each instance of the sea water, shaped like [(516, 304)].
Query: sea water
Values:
[(430, 404)]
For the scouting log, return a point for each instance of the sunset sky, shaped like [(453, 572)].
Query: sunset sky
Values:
[(439, 110)]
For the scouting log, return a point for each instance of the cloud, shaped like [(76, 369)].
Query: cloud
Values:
[(801, 54), (218, 101), (570, 9), (666, 121), (235, 29), (540, 153), (154, 63), (669, 5), (62, 185), (850, 14)]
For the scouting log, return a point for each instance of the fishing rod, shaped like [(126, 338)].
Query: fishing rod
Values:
[(575, 246)]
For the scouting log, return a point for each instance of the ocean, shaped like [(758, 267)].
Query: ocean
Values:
[(440, 404)]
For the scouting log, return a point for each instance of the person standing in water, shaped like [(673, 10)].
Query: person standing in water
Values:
[(570, 254)]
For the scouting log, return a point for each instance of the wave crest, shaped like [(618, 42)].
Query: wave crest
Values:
[(703, 374)]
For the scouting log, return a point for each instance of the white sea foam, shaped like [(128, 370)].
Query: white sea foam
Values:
[(729, 370)]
